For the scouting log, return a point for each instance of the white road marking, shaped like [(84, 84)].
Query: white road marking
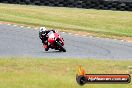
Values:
[(97, 37), (15, 25), (84, 35), (35, 28), (28, 27), (21, 26), (8, 24), (76, 34), (129, 41), (69, 33), (90, 36), (122, 40)]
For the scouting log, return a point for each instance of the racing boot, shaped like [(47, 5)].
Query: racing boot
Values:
[(45, 45)]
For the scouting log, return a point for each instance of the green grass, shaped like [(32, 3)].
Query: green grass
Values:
[(101, 22), (55, 73), (60, 73)]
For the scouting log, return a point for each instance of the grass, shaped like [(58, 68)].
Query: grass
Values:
[(60, 73), (101, 22), (55, 73)]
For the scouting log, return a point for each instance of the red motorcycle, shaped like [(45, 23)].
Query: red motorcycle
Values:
[(55, 41)]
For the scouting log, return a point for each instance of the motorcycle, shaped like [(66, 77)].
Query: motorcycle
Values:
[(55, 41)]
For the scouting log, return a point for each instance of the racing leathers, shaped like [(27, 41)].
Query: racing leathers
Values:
[(44, 37)]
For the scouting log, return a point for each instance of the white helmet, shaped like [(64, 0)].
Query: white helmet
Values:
[(42, 29)]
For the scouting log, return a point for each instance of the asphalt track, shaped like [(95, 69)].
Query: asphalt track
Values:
[(22, 41)]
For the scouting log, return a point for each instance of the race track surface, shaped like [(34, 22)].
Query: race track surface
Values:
[(20, 41)]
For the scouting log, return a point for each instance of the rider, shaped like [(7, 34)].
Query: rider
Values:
[(44, 37)]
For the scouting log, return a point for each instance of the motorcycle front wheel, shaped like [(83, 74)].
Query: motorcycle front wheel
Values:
[(61, 47)]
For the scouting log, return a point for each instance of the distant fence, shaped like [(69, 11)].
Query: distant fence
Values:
[(95, 4)]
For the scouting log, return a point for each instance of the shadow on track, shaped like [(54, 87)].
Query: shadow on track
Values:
[(52, 52)]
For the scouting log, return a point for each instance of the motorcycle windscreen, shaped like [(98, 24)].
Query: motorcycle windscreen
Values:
[(51, 37)]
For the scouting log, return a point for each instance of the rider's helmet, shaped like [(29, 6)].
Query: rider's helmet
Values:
[(56, 31), (42, 29)]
